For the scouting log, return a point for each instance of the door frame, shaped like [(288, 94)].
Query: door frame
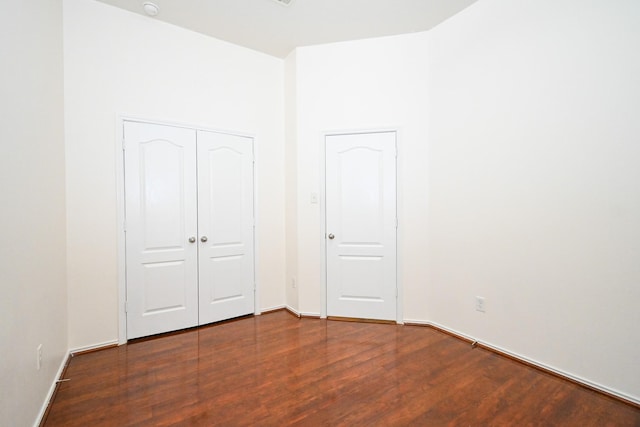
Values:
[(121, 118), (323, 215)]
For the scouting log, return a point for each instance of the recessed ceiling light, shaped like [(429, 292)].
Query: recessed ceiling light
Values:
[(150, 9)]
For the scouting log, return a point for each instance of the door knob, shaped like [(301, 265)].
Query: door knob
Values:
[(203, 239), (331, 236), (192, 239)]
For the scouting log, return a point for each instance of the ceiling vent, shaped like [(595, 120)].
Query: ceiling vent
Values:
[(284, 2)]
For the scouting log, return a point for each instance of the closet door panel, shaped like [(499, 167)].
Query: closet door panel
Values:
[(226, 226), (161, 216)]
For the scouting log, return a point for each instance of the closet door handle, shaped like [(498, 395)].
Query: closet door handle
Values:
[(203, 239), (192, 239)]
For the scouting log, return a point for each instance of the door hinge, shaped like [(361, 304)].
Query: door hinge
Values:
[(126, 306), (396, 222), (124, 226)]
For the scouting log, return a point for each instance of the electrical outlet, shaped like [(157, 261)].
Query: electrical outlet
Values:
[(39, 357), (293, 282), (480, 304)]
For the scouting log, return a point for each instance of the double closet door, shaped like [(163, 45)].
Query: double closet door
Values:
[(189, 227)]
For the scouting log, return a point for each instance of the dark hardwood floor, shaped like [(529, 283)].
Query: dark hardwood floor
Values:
[(275, 369)]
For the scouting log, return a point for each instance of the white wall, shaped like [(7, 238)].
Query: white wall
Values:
[(367, 84), (518, 174), (291, 180), (33, 292), (534, 170), (119, 62)]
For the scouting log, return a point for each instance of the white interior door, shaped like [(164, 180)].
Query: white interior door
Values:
[(361, 225), (226, 226), (161, 216)]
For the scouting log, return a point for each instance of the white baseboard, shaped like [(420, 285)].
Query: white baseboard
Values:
[(292, 310), (417, 322), (52, 389), (299, 313), (310, 314), (559, 372), (91, 347), (270, 309)]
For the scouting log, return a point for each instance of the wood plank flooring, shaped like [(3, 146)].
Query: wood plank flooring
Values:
[(275, 370)]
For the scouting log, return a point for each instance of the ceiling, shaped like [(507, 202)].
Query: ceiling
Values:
[(269, 27)]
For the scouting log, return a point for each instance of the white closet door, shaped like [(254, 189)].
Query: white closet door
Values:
[(161, 216), (226, 224), (361, 225)]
